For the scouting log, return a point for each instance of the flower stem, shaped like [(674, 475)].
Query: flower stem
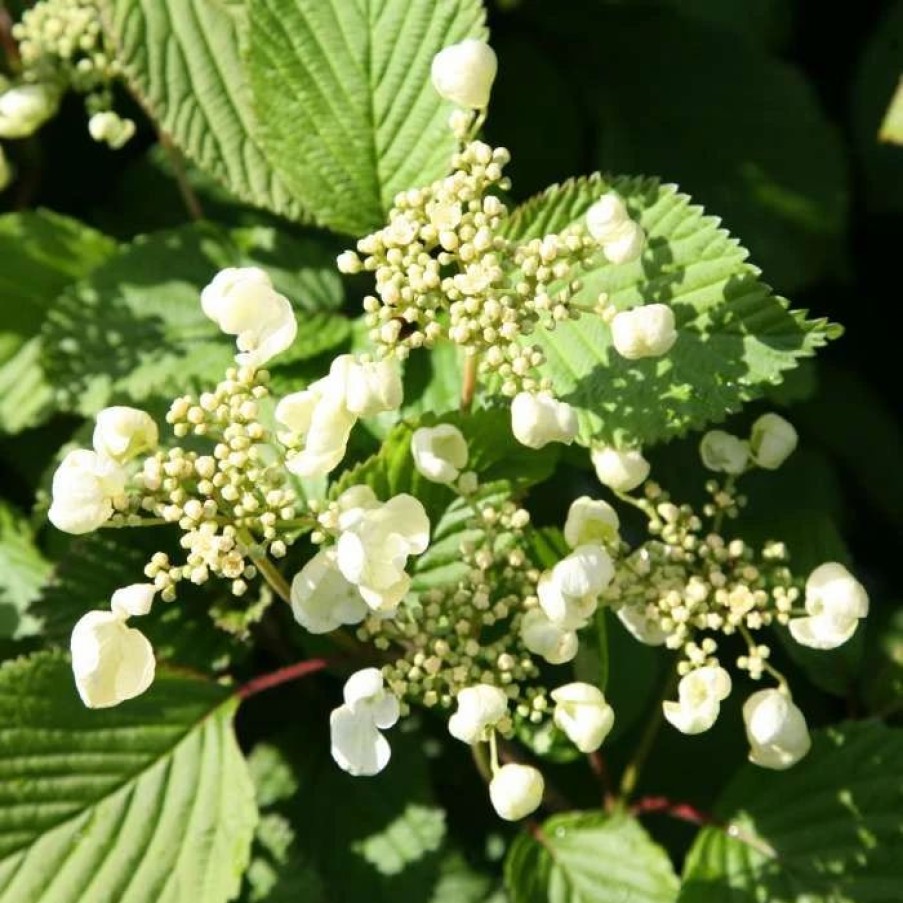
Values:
[(190, 199), (281, 676), (469, 382)]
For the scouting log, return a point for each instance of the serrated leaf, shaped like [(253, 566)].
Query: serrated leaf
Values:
[(825, 831), (23, 570), (135, 328), (589, 858), (735, 337), (348, 115), (147, 803), (42, 253), (182, 59)]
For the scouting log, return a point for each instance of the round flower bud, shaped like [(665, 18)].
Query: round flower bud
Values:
[(545, 638), (6, 171), (620, 470), (723, 453), (463, 73), (479, 708), (243, 303), (772, 441), (439, 452), (776, 730), (121, 433), (111, 129), (605, 219), (25, 108), (537, 420), (590, 521), (583, 714), (700, 694), (646, 331), (516, 791), (835, 601), (84, 488)]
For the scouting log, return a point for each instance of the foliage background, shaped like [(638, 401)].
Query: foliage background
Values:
[(766, 112)]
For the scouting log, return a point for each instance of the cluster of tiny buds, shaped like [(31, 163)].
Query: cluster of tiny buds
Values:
[(686, 581), (444, 636)]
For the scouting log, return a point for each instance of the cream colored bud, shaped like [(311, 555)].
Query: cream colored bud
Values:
[(590, 520), (772, 441), (646, 331), (621, 470), (516, 791), (776, 730), (583, 714), (109, 128), (606, 217), (84, 488), (479, 708), (545, 638), (439, 452), (372, 388), (723, 453), (121, 433), (25, 108), (700, 694), (463, 73), (537, 420)]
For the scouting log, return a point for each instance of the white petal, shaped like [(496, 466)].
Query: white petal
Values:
[(357, 746), (516, 791), (363, 686), (133, 600), (322, 599)]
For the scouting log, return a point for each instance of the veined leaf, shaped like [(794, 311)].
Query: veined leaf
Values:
[(23, 570), (825, 831), (150, 802), (735, 336), (589, 858), (348, 115), (182, 58)]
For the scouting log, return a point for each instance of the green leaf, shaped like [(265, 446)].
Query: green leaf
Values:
[(735, 338), (892, 124), (42, 253), (348, 115), (826, 831), (182, 59), (135, 328), (150, 802), (589, 858), (23, 570)]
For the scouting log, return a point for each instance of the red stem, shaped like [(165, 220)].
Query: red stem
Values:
[(683, 811), (281, 676)]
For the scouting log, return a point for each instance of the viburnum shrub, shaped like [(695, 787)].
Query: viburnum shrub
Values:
[(422, 447)]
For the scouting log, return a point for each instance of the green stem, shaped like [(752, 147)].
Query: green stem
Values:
[(469, 382), (481, 760)]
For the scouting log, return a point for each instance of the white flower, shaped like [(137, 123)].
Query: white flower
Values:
[(620, 470), (590, 520), (772, 441), (243, 303), (723, 453), (516, 791), (109, 128), (583, 714), (322, 599), (439, 452), (317, 416), (479, 707), (609, 223), (643, 628), (537, 420), (700, 694), (6, 171), (463, 73), (85, 487), (556, 644), (627, 246), (25, 108), (358, 747), (585, 572), (776, 730), (835, 601), (121, 433), (646, 331), (110, 661), (565, 611), (373, 552), (373, 387)]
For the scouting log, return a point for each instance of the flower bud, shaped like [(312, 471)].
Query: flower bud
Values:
[(463, 73), (516, 791), (606, 217), (545, 638), (479, 708), (243, 303), (627, 246), (723, 453), (583, 714), (121, 433), (620, 470), (111, 129), (835, 601), (772, 441), (700, 694), (84, 488), (590, 521), (322, 599), (373, 387), (537, 420), (646, 331), (25, 108), (585, 572), (439, 452), (6, 171), (776, 730)]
